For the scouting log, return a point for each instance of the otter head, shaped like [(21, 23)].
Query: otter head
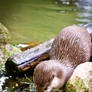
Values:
[(48, 75)]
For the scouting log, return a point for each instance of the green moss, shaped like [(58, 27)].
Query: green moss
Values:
[(4, 37), (77, 86), (69, 87), (79, 83)]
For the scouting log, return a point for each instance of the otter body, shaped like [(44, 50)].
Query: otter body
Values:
[(70, 48), (73, 44)]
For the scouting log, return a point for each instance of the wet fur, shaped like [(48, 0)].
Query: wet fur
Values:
[(73, 44)]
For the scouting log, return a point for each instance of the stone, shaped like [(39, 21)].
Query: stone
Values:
[(81, 79), (4, 37), (6, 49)]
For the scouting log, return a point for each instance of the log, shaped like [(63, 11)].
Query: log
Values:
[(28, 59), (25, 60)]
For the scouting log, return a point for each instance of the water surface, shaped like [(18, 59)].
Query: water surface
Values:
[(35, 20)]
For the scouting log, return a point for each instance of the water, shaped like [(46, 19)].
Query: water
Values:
[(84, 15), (35, 20), (39, 20)]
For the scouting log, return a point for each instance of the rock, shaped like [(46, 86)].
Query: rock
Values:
[(4, 37), (81, 80), (6, 49), (12, 49)]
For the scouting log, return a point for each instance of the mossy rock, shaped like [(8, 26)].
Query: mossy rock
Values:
[(4, 37), (76, 85), (6, 49), (81, 79)]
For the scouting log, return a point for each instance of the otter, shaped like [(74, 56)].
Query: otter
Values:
[(70, 48)]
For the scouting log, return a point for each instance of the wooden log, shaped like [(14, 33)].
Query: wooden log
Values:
[(28, 59), (25, 60)]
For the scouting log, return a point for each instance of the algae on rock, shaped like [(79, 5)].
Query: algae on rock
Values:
[(81, 79), (76, 85), (4, 37)]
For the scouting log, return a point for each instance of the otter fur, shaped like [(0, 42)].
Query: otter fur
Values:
[(70, 48)]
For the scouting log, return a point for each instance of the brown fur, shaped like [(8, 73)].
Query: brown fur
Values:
[(70, 48), (45, 72), (73, 43)]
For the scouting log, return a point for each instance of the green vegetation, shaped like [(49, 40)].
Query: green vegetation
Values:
[(35, 20), (76, 85)]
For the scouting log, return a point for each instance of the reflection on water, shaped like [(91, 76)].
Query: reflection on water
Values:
[(69, 4), (65, 2), (84, 11)]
